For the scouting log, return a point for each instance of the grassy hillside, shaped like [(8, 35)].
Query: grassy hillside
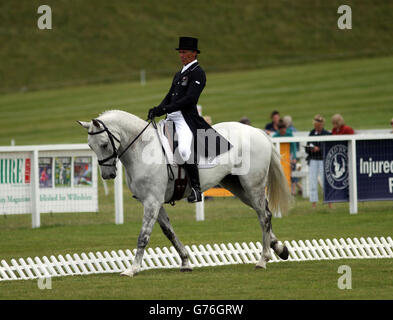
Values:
[(362, 90), (105, 41)]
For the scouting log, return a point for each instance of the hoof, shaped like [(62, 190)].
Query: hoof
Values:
[(260, 265), (128, 273), (185, 266), (284, 254)]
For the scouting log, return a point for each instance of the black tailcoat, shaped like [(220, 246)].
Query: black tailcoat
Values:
[(183, 95)]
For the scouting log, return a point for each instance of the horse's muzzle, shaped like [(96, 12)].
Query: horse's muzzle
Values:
[(109, 176)]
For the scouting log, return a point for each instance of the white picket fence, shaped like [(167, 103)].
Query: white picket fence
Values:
[(200, 256)]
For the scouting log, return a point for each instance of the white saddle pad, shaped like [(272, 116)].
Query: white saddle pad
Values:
[(204, 163)]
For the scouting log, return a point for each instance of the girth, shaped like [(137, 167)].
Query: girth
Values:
[(179, 187)]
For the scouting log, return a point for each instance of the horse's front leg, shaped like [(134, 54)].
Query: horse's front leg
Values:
[(150, 214), (167, 229)]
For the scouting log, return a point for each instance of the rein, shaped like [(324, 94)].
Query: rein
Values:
[(112, 137)]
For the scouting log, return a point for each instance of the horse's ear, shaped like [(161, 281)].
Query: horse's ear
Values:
[(95, 123), (84, 124)]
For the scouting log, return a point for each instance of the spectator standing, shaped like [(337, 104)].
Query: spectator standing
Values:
[(272, 127), (339, 127), (288, 122), (284, 132), (290, 127), (315, 158), (391, 123), (294, 181), (245, 120)]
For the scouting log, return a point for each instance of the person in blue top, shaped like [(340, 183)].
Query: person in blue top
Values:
[(288, 122), (284, 132)]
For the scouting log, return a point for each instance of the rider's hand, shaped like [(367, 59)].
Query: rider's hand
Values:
[(158, 111), (151, 114)]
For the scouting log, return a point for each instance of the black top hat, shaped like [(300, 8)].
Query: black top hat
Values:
[(188, 43)]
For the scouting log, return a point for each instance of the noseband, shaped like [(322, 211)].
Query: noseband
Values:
[(112, 137)]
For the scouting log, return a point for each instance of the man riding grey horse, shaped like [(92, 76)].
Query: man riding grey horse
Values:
[(180, 105)]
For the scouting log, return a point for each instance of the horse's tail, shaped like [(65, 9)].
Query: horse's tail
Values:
[(278, 191)]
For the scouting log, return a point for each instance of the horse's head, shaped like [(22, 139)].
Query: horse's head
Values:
[(105, 145)]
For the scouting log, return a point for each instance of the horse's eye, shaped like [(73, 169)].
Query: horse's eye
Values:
[(105, 145)]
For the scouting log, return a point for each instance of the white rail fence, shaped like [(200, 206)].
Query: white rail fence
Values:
[(200, 256), (32, 190), (351, 139), (35, 151)]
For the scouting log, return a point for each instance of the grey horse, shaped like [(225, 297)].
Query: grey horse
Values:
[(257, 181)]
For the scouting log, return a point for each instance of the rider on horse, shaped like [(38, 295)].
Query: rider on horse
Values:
[(180, 105)]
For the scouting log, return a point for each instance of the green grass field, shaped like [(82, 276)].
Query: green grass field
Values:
[(287, 280), (227, 220), (360, 89)]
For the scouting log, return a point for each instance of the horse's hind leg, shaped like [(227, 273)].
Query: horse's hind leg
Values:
[(256, 199), (167, 229), (264, 218), (269, 239), (254, 196), (279, 249)]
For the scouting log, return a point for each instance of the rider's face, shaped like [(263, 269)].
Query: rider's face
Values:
[(186, 56)]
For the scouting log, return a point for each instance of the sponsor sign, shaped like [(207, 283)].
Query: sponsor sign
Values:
[(15, 183), (336, 174), (374, 163), (66, 183), (45, 172), (83, 171), (63, 172)]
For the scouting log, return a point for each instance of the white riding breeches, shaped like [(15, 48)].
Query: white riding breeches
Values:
[(184, 134)]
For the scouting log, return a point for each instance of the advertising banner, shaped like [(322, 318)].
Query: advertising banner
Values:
[(335, 163), (374, 162), (67, 182), (45, 172), (83, 171), (63, 172), (15, 183)]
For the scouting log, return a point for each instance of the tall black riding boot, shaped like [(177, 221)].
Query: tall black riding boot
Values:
[(193, 175)]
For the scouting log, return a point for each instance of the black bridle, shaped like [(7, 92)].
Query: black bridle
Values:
[(115, 155)]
